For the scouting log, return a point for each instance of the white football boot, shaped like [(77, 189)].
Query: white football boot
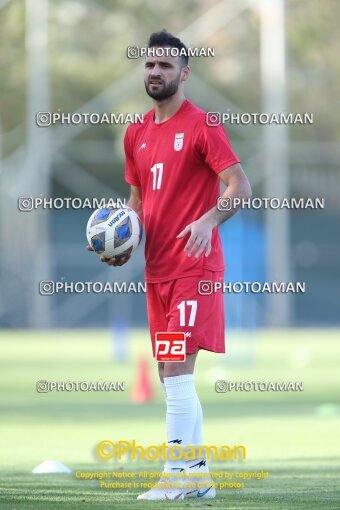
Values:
[(197, 473), (167, 488)]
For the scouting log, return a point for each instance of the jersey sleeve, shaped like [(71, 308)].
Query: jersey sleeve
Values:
[(214, 148), (131, 175)]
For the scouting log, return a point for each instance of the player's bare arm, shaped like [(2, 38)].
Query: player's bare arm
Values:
[(201, 230), (135, 201)]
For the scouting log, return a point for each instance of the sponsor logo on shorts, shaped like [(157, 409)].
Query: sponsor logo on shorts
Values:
[(170, 346)]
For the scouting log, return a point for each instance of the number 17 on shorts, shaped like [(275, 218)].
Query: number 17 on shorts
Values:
[(170, 346)]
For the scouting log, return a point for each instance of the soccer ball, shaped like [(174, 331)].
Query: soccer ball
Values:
[(114, 232)]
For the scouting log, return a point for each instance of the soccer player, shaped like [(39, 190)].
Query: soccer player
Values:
[(174, 164)]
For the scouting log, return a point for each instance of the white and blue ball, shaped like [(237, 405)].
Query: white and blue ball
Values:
[(114, 232)]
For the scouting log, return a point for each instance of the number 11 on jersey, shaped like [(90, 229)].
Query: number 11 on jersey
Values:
[(157, 171)]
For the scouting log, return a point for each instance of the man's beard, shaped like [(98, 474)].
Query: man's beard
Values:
[(164, 92)]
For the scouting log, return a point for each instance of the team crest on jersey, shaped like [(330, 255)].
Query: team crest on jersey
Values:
[(178, 143)]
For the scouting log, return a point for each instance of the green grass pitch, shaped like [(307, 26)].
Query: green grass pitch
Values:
[(294, 435)]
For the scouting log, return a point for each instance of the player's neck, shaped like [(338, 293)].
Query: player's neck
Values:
[(164, 110)]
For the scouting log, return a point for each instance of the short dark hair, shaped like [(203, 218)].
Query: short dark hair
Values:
[(164, 38)]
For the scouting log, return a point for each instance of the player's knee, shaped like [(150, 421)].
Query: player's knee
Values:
[(173, 369), (161, 371)]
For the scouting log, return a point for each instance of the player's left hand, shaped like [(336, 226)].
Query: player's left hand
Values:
[(200, 238)]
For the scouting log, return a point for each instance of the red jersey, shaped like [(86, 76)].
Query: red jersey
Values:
[(176, 165)]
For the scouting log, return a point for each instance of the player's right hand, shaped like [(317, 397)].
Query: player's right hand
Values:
[(116, 262), (113, 261)]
